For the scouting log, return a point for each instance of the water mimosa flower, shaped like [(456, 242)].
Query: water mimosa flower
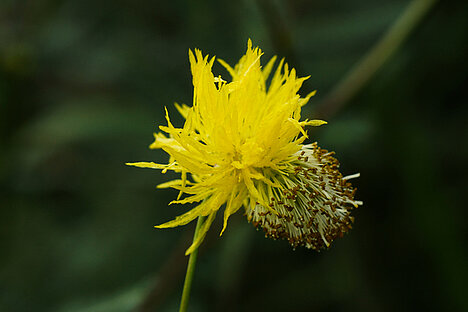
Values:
[(242, 146)]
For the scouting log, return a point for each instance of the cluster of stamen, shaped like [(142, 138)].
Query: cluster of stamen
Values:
[(313, 206)]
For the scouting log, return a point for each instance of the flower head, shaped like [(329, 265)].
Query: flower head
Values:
[(242, 146)]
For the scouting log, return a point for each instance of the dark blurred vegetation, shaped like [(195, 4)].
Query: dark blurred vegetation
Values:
[(83, 85)]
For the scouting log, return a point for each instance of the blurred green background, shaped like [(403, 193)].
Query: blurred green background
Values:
[(83, 85)]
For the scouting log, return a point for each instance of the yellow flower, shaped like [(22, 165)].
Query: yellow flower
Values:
[(241, 146)]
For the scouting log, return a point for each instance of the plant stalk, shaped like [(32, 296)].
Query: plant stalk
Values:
[(190, 269), (363, 71)]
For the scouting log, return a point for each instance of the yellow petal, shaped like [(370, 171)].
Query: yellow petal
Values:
[(184, 218), (201, 233), (234, 203), (151, 165), (173, 183), (315, 122)]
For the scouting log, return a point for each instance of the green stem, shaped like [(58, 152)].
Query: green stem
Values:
[(361, 73), (190, 269)]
